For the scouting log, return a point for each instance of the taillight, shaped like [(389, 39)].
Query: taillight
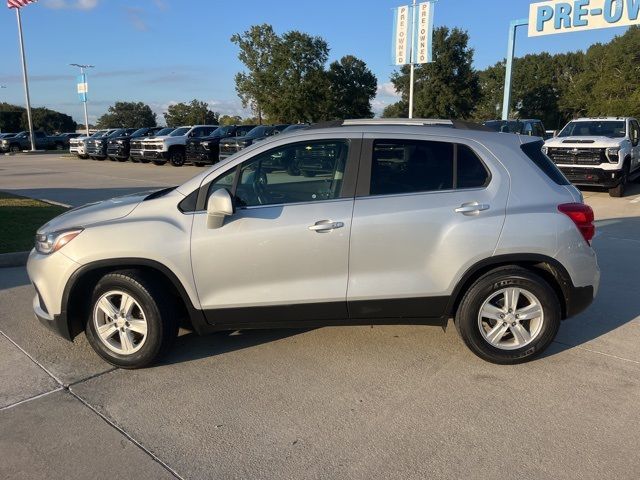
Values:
[(582, 216)]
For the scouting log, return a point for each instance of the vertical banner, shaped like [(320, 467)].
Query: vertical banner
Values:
[(401, 36), (424, 34), (83, 87)]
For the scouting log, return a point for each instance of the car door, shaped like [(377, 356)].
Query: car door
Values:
[(426, 209), (283, 255)]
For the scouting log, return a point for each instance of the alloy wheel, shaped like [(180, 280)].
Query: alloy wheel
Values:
[(120, 322), (511, 318)]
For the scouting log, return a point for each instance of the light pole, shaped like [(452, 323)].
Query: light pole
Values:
[(83, 92)]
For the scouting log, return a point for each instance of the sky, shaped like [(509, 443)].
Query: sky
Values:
[(166, 51)]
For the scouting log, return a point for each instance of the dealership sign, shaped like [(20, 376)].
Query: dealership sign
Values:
[(83, 87), (413, 34), (562, 16)]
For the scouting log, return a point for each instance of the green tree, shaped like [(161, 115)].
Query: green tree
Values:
[(194, 113), (352, 86), (10, 117), (448, 87), (230, 120), (254, 87), (285, 78), (128, 115), (49, 121)]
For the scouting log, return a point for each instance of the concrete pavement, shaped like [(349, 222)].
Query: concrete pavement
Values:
[(347, 403)]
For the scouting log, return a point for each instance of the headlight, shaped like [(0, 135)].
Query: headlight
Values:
[(205, 145), (613, 154), (120, 142), (52, 242)]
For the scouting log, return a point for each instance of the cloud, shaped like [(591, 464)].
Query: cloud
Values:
[(387, 89), (161, 4), (71, 4), (136, 18)]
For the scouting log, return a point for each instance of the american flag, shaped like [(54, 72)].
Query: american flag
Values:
[(19, 3)]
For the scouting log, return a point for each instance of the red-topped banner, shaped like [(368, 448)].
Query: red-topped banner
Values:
[(19, 3)]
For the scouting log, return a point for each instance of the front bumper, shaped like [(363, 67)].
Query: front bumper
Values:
[(98, 152), (49, 275), (592, 176), (155, 155), (117, 151), (200, 157)]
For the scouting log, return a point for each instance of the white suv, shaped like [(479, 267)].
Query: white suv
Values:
[(402, 222), (173, 147), (598, 151)]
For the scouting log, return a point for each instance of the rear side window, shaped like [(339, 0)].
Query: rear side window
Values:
[(533, 150), (410, 166)]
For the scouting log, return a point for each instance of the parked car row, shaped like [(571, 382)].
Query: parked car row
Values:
[(197, 144), (17, 142), (602, 152)]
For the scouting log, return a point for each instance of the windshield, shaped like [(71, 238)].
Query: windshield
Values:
[(595, 128), (180, 132), (117, 133), (98, 134), (164, 131), (140, 132), (292, 128), (257, 132), (221, 131)]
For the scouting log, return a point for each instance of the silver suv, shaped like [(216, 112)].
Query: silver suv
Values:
[(351, 223)]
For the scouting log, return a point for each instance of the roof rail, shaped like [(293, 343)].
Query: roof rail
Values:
[(412, 122), (400, 121)]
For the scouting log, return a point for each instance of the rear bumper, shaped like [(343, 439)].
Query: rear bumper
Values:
[(592, 176), (578, 299)]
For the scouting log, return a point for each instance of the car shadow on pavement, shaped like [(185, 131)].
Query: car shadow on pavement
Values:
[(191, 346), (617, 303)]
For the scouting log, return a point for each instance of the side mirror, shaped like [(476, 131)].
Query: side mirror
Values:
[(219, 206)]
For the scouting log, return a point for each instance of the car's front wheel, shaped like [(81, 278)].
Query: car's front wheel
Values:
[(176, 157), (618, 190), (508, 316), (132, 321)]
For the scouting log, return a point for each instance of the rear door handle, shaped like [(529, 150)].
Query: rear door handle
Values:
[(472, 208), (324, 226)]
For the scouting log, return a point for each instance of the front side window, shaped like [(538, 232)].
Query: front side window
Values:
[(296, 173), (414, 166)]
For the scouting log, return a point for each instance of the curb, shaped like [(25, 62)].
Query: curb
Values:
[(17, 259)]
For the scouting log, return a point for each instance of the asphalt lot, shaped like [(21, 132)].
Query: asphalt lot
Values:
[(406, 402)]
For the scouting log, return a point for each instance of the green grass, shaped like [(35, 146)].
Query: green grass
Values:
[(20, 217)]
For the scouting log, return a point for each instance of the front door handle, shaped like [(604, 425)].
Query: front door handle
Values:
[(472, 208), (324, 226)]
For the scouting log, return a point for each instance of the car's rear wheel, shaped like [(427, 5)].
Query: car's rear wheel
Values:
[(132, 321), (509, 316)]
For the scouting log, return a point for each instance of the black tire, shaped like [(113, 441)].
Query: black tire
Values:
[(59, 146), (159, 313), (83, 157), (15, 148), (177, 157), (618, 190), (467, 322), (199, 164), (122, 159), (292, 169), (157, 162)]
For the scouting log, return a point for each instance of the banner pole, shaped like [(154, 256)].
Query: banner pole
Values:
[(84, 103), (26, 81), (411, 59)]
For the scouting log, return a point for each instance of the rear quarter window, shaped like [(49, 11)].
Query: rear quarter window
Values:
[(533, 150)]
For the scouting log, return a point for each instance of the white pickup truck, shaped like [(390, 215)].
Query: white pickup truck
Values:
[(598, 151), (172, 148)]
